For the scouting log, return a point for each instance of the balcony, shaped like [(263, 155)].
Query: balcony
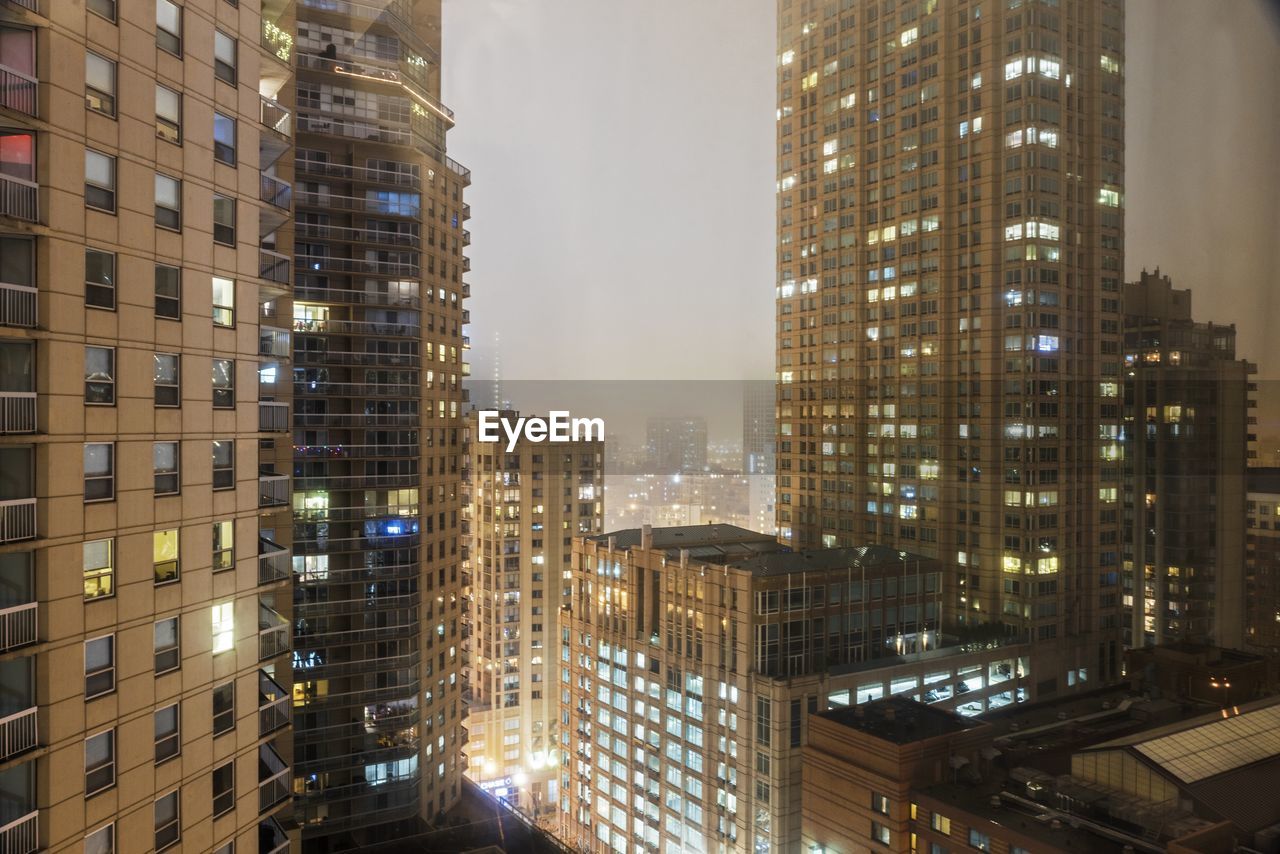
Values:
[(18, 734), (271, 838), (274, 561), (403, 298), (362, 236), (273, 778), (273, 705), (18, 90), (274, 266), (273, 341), (357, 327), (17, 305), (325, 169), (273, 416), (17, 520), (18, 626), (17, 412), (275, 117), (18, 198), (22, 835), (328, 264), (275, 192), (273, 490)]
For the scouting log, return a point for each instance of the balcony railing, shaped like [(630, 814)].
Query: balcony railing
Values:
[(273, 705), (273, 490), (357, 327), (272, 642), (275, 192), (274, 266), (273, 341), (18, 733), (17, 305), (18, 198), (326, 263), (273, 778), (357, 235), (323, 168), (18, 626), (275, 116), (399, 299), (18, 90), (21, 836), (274, 562), (273, 416), (271, 838), (17, 412), (17, 520), (404, 207)]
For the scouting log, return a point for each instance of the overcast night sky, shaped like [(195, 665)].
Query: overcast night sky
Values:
[(623, 159)]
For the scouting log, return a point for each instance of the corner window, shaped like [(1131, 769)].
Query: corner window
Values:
[(99, 666), (99, 762), (99, 569), (167, 740), (99, 84), (169, 27), (224, 301), (100, 376), (168, 292), (224, 57), (99, 278), (164, 555), (168, 115), (99, 471), (224, 384), (224, 139), (224, 220), (164, 463), (99, 181), (224, 464), (224, 545), (168, 202)]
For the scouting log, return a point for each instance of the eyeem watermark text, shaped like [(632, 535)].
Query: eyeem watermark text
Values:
[(558, 426)]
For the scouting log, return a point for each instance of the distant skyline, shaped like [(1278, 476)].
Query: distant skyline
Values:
[(623, 155)]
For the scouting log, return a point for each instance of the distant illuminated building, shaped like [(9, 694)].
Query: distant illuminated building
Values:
[(524, 509), (676, 444)]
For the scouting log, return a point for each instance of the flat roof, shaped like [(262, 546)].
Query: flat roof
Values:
[(822, 560), (900, 720), (689, 537), (1264, 480)]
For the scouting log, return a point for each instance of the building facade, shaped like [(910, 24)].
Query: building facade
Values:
[(759, 428), (377, 365), (950, 230), (676, 444), (1262, 560), (146, 699), (691, 658), (525, 507), (1187, 436)]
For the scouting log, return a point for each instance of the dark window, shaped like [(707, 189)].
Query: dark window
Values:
[(224, 465), (168, 292), (224, 139), (167, 645), (224, 384), (99, 762), (99, 666), (168, 741), (99, 278), (224, 788), (224, 708), (224, 220)]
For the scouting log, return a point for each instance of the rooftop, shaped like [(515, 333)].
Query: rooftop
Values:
[(710, 543), (900, 720), (819, 560)]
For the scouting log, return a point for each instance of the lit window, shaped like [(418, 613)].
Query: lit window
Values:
[(99, 471), (168, 202), (99, 569), (224, 390), (223, 545), (167, 638), (99, 180), (169, 27), (224, 301), (224, 465), (99, 375), (168, 115), (223, 627), (164, 464), (168, 389), (224, 57), (164, 555)]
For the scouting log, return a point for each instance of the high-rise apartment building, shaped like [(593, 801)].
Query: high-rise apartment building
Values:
[(950, 227), (1186, 441), (676, 444), (1262, 553), (759, 428), (526, 506), (377, 362), (692, 658), (143, 432)]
